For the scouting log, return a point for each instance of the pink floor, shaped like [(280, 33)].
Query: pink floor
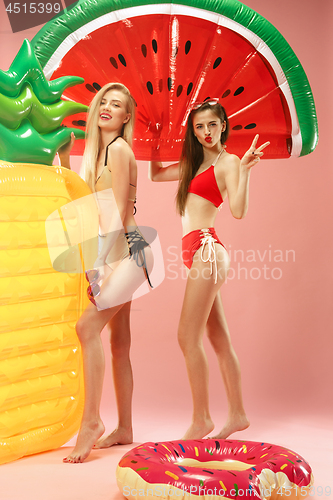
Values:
[(45, 477)]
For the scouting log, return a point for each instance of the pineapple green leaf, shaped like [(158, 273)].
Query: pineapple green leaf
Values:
[(43, 117), (26, 145), (26, 69)]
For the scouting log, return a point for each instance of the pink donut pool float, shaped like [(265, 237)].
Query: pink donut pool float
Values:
[(213, 469)]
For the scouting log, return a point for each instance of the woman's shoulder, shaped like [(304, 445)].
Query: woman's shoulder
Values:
[(227, 162), (120, 149), (120, 145)]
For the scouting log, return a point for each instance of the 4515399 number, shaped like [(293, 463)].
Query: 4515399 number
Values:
[(33, 8), (298, 492)]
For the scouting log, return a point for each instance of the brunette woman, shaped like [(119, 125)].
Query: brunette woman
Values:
[(208, 174)]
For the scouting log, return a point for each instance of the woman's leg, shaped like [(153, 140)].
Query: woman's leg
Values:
[(218, 334), (120, 337), (88, 329), (200, 293), (122, 283)]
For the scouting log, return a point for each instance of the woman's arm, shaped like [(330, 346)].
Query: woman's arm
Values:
[(64, 153), (119, 160), (158, 173), (238, 178), (119, 156)]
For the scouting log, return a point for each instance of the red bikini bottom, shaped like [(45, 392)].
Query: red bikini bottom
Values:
[(192, 241)]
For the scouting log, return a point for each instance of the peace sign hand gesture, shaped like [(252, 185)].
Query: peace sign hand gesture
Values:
[(253, 154)]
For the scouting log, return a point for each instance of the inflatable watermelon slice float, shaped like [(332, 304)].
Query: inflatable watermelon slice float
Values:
[(173, 54)]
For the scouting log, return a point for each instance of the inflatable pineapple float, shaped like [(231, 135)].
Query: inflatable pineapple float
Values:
[(41, 384)]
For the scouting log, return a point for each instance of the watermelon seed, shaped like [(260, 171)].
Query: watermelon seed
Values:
[(247, 127), (154, 45), (90, 88), (175, 52), (150, 88), (114, 62), (239, 91), (217, 62), (179, 90), (169, 83), (79, 123), (97, 86), (189, 88), (226, 93), (144, 50), (122, 59), (187, 47)]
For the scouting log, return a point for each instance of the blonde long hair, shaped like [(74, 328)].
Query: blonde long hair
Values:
[(192, 153), (93, 136)]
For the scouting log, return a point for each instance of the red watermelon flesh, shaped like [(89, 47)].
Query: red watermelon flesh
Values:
[(169, 63)]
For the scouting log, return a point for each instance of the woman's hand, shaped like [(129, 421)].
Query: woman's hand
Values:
[(100, 266), (64, 152), (253, 154)]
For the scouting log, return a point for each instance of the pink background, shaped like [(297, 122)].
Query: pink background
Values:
[(281, 328)]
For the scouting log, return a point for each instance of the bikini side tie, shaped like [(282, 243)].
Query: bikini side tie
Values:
[(208, 239), (136, 245)]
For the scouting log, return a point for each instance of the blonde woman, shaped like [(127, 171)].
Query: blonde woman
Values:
[(124, 262), (208, 174)]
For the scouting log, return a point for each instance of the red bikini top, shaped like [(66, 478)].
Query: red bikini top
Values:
[(205, 185)]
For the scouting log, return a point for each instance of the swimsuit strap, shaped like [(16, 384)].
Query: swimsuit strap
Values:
[(218, 156), (105, 164), (134, 206), (106, 151)]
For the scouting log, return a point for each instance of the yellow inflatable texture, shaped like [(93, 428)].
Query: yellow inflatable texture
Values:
[(41, 380)]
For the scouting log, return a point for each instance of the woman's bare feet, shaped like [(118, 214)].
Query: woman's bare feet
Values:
[(88, 435), (199, 430), (233, 424), (121, 435)]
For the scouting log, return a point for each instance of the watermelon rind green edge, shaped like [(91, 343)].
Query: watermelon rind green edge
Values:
[(48, 39)]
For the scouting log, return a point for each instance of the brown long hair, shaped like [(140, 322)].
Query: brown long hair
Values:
[(192, 153), (89, 162)]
